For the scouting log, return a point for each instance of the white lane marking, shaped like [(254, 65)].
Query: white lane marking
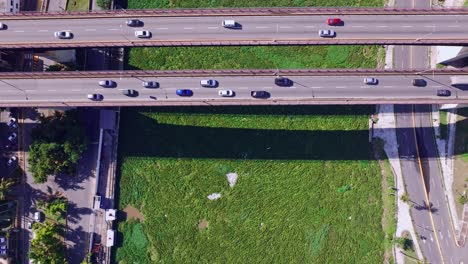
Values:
[(340, 87), (309, 26), (437, 86), (162, 28), (381, 26), (357, 26), (90, 29), (76, 90), (316, 87), (19, 31), (453, 26), (364, 87), (448, 234), (388, 86), (424, 241), (188, 28), (261, 27), (66, 30), (242, 88), (430, 26), (29, 90), (293, 87), (406, 26), (52, 90), (430, 236), (268, 87), (285, 27), (441, 236), (43, 30), (213, 27), (113, 29)]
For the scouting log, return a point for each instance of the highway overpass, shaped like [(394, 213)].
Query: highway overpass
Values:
[(309, 87), (281, 27)]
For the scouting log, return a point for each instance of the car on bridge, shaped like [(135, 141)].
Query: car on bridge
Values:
[(226, 93), (134, 23), (150, 84), (209, 83), (283, 81), (419, 82), (95, 97), (260, 94), (142, 34), (63, 34), (130, 92), (371, 81), (230, 23), (326, 33), (334, 21), (107, 83), (443, 92), (184, 92)]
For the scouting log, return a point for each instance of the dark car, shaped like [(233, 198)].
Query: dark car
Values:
[(130, 92), (260, 94), (333, 21), (150, 84), (282, 81), (184, 92), (419, 82), (443, 92), (134, 22), (95, 97)]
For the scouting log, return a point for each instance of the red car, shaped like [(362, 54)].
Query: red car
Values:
[(333, 21)]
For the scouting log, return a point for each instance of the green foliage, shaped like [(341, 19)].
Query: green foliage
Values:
[(58, 143), (405, 243), (77, 5), (5, 187), (284, 207), (57, 207), (47, 246), (463, 199), (404, 197), (104, 4), (55, 67)]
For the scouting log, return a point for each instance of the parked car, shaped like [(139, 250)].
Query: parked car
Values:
[(326, 33), (371, 81), (443, 92), (63, 35), (95, 97), (2, 240), (2, 26), (130, 92), (209, 83), (283, 81), (150, 84), (226, 93), (12, 123), (107, 83), (334, 21), (12, 161), (134, 23), (184, 92), (260, 94), (142, 34), (229, 23), (419, 82), (30, 224), (39, 216), (12, 137)]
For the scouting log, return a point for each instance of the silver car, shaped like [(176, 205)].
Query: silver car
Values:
[(209, 83), (63, 34), (226, 93), (107, 83), (142, 34), (326, 33), (371, 81)]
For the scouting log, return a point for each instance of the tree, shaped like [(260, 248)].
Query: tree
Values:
[(56, 207), (47, 246), (46, 159), (5, 186), (104, 4)]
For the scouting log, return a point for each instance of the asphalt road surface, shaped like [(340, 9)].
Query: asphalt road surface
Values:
[(255, 28), (309, 87)]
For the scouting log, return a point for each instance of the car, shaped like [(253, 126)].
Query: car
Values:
[(2, 240), (184, 92), (107, 83), (134, 23), (38, 216), (283, 81), (142, 34), (443, 92), (12, 123), (150, 84), (260, 94), (63, 34), (2, 26), (419, 82), (12, 160), (226, 93), (326, 33), (30, 224), (95, 97), (229, 23), (3, 247), (209, 83), (371, 80), (334, 21), (130, 92), (12, 137)]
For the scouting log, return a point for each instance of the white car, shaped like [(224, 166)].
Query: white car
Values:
[(12, 137), (12, 160), (63, 34), (38, 216), (142, 34), (371, 80), (2, 26), (326, 33), (12, 123), (226, 93), (229, 23), (209, 83), (95, 97), (107, 83)]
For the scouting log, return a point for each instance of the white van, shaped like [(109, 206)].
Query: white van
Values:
[(229, 23)]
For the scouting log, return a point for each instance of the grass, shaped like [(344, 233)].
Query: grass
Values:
[(138, 4), (179, 58), (77, 5), (308, 190)]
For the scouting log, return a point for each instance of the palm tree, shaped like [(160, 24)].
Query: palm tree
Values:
[(5, 186)]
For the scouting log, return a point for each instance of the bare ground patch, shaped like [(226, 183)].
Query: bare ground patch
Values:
[(133, 213)]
